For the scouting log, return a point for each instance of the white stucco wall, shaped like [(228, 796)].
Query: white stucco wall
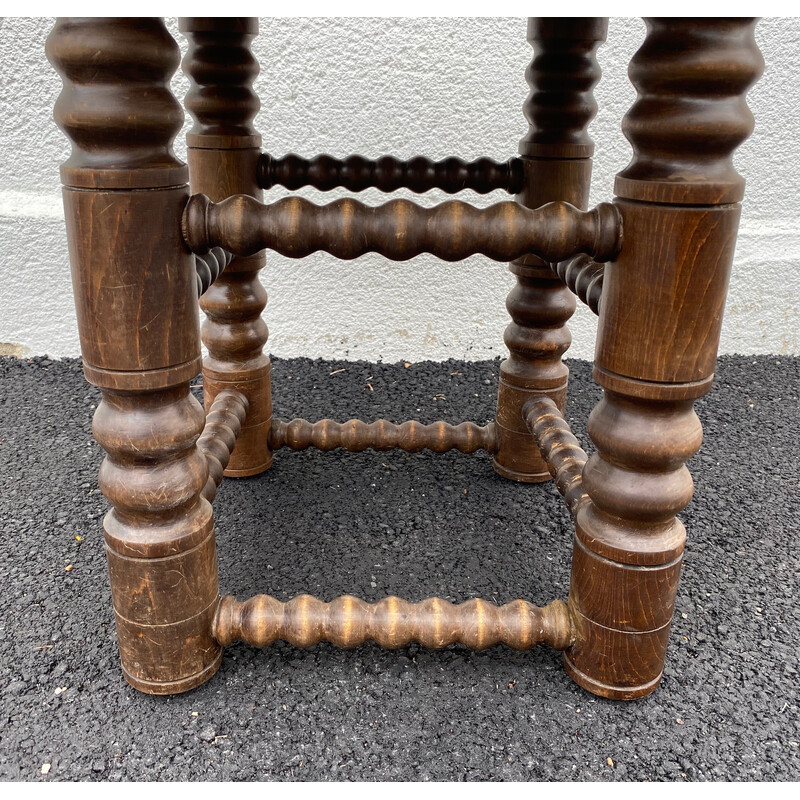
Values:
[(434, 87)]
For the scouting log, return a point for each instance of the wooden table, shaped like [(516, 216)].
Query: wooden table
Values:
[(149, 234)]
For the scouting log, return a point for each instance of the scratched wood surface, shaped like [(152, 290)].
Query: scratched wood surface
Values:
[(654, 265)]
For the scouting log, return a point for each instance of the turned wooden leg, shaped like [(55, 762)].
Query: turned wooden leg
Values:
[(659, 328), (556, 155), (223, 153), (136, 298)]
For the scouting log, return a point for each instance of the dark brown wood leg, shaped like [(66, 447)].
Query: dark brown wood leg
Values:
[(223, 152), (136, 299), (659, 327), (556, 155)]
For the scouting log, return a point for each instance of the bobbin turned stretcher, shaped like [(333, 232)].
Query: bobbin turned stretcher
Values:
[(653, 264)]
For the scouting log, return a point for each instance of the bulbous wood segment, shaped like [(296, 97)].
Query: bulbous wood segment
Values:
[(400, 229), (556, 166), (221, 69), (584, 278), (392, 622), (691, 77), (209, 267), (159, 538), (116, 106), (235, 334), (629, 543), (561, 78), (536, 338), (560, 450), (223, 426), (388, 174), (224, 149), (356, 436)]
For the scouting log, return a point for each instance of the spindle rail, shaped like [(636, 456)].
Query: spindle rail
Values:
[(209, 266), (560, 450), (400, 229), (223, 426), (356, 436), (388, 174), (392, 622)]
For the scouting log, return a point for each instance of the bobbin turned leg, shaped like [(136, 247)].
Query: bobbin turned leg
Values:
[(556, 154), (136, 299), (223, 153), (659, 330)]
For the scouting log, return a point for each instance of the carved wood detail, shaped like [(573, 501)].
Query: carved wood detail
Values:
[(133, 228), (222, 428), (392, 622), (209, 267), (556, 155), (136, 299), (561, 451), (657, 341), (400, 230), (388, 174), (223, 151), (356, 436)]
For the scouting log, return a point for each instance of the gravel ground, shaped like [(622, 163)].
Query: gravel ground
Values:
[(374, 524)]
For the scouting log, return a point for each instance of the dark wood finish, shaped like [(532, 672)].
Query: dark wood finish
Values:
[(584, 278), (400, 229), (658, 335), (556, 154), (356, 436), (561, 451), (210, 266), (223, 152), (691, 78), (223, 425), (136, 300), (392, 622), (132, 227), (388, 174)]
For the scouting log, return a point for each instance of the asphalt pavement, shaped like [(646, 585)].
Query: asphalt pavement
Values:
[(416, 525)]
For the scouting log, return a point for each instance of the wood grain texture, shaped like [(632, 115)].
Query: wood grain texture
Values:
[(663, 298), (108, 152), (136, 299), (356, 436), (400, 229), (223, 153), (556, 155), (660, 317), (690, 114), (392, 622), (388, 174)]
